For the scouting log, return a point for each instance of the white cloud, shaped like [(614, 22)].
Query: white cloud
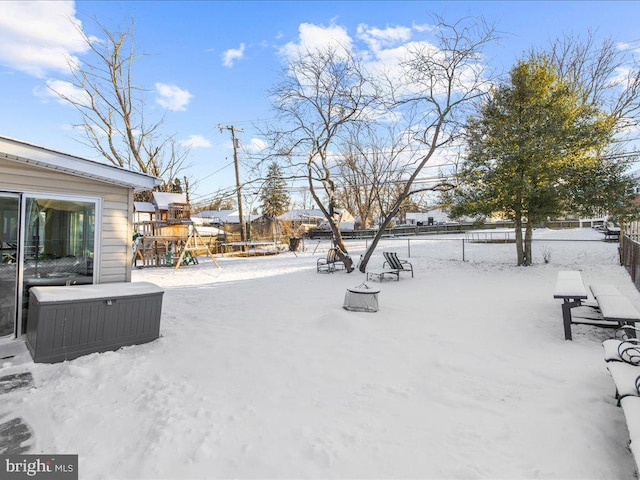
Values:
[(66, 89), (40, 37), (623, 76), (256, 145), (317, 37), (425, 27), (383, 51), (377, 38), (172, 97), (230, 56), (195, 141)]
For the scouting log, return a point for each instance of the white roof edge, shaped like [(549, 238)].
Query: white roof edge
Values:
[(19, 151)]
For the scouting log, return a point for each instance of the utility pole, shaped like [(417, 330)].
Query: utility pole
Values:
[(243, 236)]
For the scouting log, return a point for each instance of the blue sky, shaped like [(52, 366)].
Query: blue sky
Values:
[(211, 63)]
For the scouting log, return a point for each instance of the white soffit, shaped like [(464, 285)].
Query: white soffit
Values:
[(18, 151)]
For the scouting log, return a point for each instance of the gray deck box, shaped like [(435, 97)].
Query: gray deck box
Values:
[(71, 321)]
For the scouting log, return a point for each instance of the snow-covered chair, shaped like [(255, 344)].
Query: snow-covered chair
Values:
[(622, 355), (331, 263)]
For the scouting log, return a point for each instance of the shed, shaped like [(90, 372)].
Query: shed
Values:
[(64, 220)]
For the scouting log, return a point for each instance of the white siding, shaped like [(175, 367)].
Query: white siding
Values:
[(117, 210)]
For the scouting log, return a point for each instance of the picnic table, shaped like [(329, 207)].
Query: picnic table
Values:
[(570, 288), (611, 233), (611, 307), (614, 306)]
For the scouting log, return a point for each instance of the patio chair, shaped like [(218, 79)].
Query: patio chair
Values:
[(327, 264), (392, 260), (331, 263)]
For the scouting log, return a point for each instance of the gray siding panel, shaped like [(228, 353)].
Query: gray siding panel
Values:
[(117, 210)]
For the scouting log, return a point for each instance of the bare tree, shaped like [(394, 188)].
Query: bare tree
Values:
[(371, 166), (321, 93), (605, 73), (111, 106), (608, 77), (439, 82)]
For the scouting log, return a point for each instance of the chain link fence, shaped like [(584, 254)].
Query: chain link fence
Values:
[(566, 248)]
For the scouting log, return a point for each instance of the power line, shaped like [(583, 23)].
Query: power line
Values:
[(243, 234), (217, 171)]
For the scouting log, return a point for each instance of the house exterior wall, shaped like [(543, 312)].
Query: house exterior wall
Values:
[(116, 210)]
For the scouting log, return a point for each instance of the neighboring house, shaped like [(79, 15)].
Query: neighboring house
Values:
[(302, 220), (307, 219), (204, 228), (63, 220), (431, 217), (258, 227), (221, 217)]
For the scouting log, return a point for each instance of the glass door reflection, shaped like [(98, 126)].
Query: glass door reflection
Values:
[(9, 225), (59, 245)]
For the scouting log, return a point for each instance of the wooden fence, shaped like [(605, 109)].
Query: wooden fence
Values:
[(630, 257)]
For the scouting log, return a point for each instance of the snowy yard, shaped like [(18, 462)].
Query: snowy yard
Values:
[(259, 373)]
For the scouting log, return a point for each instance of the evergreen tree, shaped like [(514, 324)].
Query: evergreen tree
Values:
[(535, 151), (273, 196)]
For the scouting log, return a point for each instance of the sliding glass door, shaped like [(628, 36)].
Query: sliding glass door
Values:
[(46, 241), (59, 244), (9, 225)]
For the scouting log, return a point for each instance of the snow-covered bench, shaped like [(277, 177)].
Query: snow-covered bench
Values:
[(570, 288), (616, 309)]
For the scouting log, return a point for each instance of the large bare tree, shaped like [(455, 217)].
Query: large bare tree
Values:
[(371, 166), (606, 74), (111, 105), (321, 93), (438, 84)]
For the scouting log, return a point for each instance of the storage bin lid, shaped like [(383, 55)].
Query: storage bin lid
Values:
[(88, 292), (363, 289)]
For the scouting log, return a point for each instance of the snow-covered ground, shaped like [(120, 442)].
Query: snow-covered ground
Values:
[(260, 373)]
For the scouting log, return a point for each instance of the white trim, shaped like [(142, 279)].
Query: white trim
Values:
[(17, 151), (17, 296)]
